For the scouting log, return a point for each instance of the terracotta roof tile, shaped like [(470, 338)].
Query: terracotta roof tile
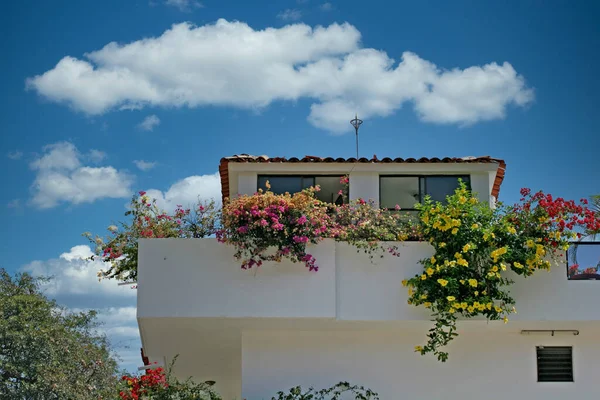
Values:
[(247, 158)]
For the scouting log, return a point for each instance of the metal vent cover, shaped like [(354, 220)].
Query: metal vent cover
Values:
[(555, 363)]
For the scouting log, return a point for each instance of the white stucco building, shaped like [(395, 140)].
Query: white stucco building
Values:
[(255, 332)]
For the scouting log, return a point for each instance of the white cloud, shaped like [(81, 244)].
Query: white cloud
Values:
[(231, 64), (144, 165), (96, 156), (15, 155), (326, 7), (149, 123), (75, 285), (188, 191), (290, 14), (60, 177), (184, 5)]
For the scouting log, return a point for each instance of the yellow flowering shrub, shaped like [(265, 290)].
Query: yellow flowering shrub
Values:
[(475, 246)]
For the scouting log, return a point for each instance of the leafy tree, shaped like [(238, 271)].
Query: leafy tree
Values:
[(47, 352)]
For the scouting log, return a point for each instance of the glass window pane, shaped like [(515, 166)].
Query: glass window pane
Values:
[(403, 191), (330, 187), (308, 181), (281, 184), (438, 187)]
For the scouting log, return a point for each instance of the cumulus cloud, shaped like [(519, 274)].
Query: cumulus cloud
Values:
[(149, 123), (188, 191), (15, 155), (231, 64), (291, 14), (60, 177), (75, 285), (144, 165), (184, 5)]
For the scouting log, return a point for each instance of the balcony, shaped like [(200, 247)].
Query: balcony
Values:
[(199, 278)]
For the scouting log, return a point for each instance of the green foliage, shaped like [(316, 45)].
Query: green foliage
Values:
[(341, 390), (47, 352)]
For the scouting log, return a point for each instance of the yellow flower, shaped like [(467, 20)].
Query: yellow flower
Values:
[(418, 348), (518, 264), (473, 200), (495, 268), (505, 320), (475, 226), (429, 271), (514, 310), (484, 292), (423, 296), (530, 243), (462, 281), (462, 199), (442, 245), (511, 229), (442, 282), (466, 247), (463, 262), (503, 266), (432, 259), (410, 291), (473, 282), (454, 231), (489, 306), (470, 309), (498, 309), (476, 293), (423, 277), (427, 304), (456, 305), (451, 311), (463, 305), (451, 298), (404, 282)]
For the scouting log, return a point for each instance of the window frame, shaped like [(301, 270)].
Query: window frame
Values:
[(422, 179)]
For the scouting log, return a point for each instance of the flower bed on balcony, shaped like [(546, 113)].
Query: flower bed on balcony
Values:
[(474, 244)]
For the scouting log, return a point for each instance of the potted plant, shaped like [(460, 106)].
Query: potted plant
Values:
[(577, 274)]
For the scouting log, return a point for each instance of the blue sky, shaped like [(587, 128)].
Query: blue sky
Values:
[(73, 128)]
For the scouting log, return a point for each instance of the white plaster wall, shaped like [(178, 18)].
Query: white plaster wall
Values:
[(492, 366), (247, 183), (364, 185), (369, 291), (201, 278), (480, 184)]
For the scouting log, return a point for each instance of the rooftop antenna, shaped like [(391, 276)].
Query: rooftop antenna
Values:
[(356, 123)]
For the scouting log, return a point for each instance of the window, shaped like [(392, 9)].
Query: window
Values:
[(330, 185), (555, 364), (406, 191)]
